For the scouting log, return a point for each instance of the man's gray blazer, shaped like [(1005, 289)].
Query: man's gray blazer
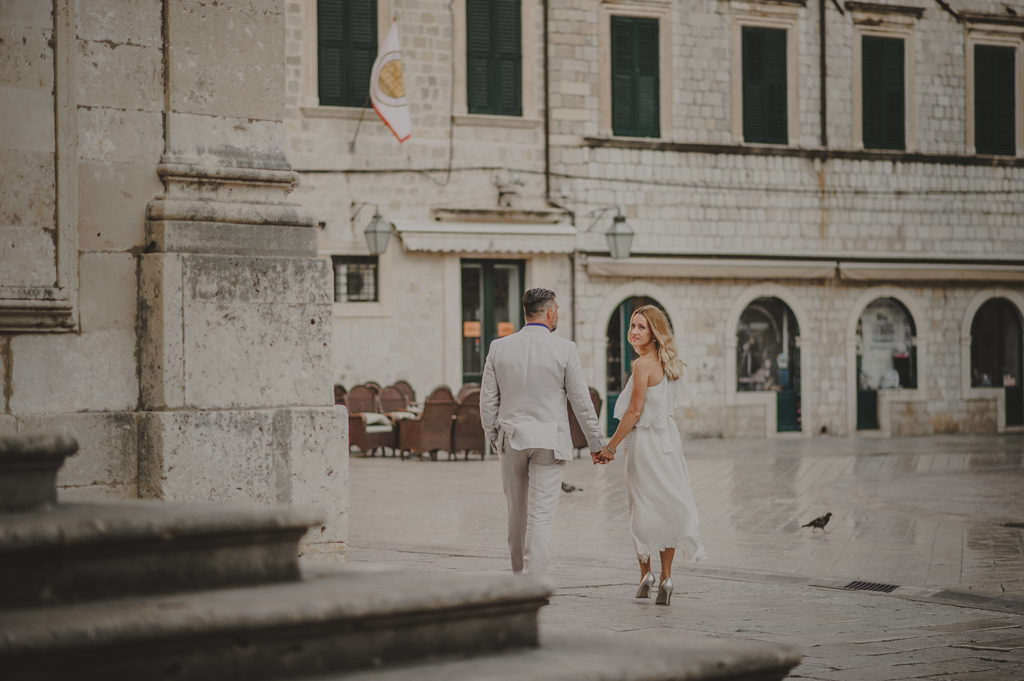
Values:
[(527, 378)]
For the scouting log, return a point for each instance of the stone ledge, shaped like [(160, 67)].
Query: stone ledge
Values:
[(593, 656)]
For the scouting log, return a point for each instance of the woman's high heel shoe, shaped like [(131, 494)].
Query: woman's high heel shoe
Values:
[(664, 593), (645, 586)]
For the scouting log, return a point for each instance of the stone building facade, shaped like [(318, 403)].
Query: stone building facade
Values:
[(826, 199), (161, 294)]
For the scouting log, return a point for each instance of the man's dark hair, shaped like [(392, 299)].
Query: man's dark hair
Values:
[(536, 300)]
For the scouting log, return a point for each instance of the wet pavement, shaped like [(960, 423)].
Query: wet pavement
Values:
[(939, 518)]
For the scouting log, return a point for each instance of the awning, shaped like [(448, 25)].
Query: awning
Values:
[(486, 237), (884, 271), (711, 268)]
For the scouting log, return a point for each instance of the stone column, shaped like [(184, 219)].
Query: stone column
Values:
[(234, 304)]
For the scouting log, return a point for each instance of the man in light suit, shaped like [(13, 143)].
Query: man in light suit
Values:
[(527, 377)]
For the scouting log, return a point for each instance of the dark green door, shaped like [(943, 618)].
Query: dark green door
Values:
[(492, 294)]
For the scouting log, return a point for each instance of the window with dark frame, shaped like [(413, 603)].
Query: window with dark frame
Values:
[(994, 96), (765, 96), (355, 278), (346, 47), (882, 92), (494, 57), (636, 106)]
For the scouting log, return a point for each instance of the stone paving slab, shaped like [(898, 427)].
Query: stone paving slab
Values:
[(927, 514)]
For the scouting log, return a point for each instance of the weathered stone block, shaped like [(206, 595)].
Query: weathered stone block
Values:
[(223, 456), (312, 445), (27, 12), (247, 86), (251, 457), (27, 178), (119, 135), (119, 76), (112, 203), (269, 351), (106, 465), (27, 117), (107, 293), (26, 60), (70, 373), (227, 141), (110, 20), (26, 255)]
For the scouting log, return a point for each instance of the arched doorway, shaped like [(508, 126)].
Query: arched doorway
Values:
[(620, 354), (886, 356), (996, 354), (768, 357)]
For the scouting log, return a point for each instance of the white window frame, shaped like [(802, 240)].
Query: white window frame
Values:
[(531, 116), (309, 99), (998, 36), (885, 25), (785, 18), (660, 10)]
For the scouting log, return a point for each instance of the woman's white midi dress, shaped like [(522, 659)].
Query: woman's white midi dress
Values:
[(662, 512)]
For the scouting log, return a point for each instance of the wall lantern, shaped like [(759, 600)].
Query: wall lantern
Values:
[(620, 238), (378, 233)]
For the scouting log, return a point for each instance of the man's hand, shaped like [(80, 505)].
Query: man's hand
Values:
[(596, 456)]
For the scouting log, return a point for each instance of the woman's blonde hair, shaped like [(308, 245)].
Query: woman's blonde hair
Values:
[(663, 340)]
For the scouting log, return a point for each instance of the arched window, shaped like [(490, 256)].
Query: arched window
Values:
[(996, 354), (768, 356), (886, 356), (886, 340)]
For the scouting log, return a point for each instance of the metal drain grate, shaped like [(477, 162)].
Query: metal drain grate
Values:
[(871, 586)]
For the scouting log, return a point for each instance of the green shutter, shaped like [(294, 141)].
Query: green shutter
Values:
[(347, 46), (494, 57), (882, 92), (636, 108), (994, 116), (764, 85)]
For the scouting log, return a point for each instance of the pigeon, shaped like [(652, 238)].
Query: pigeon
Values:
[(819, 523), (566, 487)]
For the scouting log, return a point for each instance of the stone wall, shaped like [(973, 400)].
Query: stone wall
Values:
[(179, 323)]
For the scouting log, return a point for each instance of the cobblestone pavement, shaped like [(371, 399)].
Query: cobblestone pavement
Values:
[(942, 518)]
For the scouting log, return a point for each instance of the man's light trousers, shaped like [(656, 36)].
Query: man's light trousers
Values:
[(532, 479)]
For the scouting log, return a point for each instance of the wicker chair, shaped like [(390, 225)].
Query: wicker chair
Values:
[(441, 392), (406, 389), (467, 431), (467, 388), (392, 399), (368, 428), (579, 440), (430, 432)]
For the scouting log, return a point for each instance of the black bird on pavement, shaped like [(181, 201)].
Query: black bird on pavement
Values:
[(819, 523)]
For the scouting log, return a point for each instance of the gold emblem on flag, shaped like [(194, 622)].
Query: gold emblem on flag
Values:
[(390, 80)]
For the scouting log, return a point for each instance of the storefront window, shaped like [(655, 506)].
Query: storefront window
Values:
[(767, 347), (886, 352)]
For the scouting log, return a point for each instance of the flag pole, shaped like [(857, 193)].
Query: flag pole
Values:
[(352, 144)]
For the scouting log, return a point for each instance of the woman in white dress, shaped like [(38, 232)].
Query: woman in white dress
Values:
[(662, 513)]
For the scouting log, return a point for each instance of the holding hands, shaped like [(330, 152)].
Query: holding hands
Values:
[(606, 455)]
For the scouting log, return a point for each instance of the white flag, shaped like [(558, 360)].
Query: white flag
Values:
[(387, 89)]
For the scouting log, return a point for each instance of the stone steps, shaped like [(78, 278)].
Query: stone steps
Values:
[(322, 625), (159, 591), (596, 656), (78, 552)]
